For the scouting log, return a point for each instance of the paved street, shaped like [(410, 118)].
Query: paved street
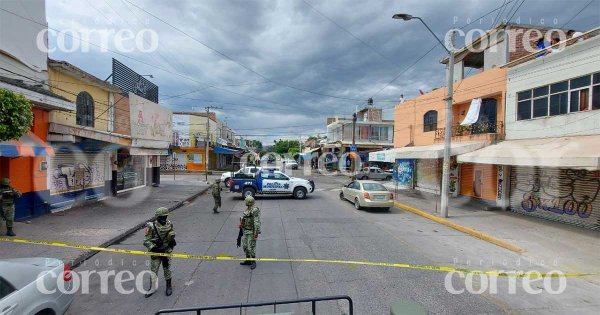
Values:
[(323, 227)]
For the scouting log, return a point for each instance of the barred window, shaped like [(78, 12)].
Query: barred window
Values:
[(430, 121), (85, 109)]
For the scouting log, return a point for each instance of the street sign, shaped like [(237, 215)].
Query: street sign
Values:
[(353, 148)]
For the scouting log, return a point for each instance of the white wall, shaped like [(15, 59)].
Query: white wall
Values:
[(574, 61), (496, 55)]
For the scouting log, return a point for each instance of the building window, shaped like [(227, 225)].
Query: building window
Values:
[(430, 121), (85, 109), (575, 95)]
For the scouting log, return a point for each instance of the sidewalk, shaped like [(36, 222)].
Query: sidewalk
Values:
[(101, 223), (574, 249)]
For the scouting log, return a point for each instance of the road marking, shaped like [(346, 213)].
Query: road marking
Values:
[(298, 260), (461, 228)]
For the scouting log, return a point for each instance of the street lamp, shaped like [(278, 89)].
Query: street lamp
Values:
[(448, 130)]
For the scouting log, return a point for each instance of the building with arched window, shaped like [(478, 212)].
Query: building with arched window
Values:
[(86, 140)]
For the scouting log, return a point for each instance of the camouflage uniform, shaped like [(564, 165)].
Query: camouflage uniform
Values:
[(216, 193), (250, 224), (160, 242), (8, 195)]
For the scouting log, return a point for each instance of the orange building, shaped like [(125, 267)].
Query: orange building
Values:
[(25, 71), (478, 115)]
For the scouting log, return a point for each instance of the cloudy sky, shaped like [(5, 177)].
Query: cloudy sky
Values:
[(279, 68)]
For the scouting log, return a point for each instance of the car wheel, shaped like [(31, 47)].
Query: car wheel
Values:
[(248, 192), (300, 193), (226, 182), (356, 204), (386, 208), (388, 178), (342, 196)]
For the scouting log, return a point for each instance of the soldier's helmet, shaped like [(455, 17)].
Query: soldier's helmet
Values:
[(5, 181), (162, 211), (249, 200)]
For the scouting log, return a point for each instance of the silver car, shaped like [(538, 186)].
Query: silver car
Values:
[(20, 283), (367, 194), (374, 173)]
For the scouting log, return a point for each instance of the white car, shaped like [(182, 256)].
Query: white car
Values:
[(20, 283), (250, 170), (291, 164)]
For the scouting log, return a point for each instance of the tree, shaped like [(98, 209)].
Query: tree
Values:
[(293, 151), (255, 144), (283, 146), (16, 116)]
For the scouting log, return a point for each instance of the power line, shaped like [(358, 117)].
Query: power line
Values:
[(224, 55), (434, 46), (577, 14), (351, 34)]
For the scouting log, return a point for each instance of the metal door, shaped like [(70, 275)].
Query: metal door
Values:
[(478, 183)]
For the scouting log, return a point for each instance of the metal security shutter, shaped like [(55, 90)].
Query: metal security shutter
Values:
[(564, 195), (467, 175), (429, 175), (71, 172)]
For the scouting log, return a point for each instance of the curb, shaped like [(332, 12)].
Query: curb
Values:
[(89, 254), (461, 228)]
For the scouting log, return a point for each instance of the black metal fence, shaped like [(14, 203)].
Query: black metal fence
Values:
[(241, 306), (474, 129)]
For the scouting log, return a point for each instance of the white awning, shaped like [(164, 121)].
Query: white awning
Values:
[(384, 155), (436, 151), (568, 152)]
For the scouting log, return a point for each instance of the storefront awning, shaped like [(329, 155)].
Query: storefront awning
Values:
[(436, 151), (222, 150), (388, 156), (568, 152), (28, 145)]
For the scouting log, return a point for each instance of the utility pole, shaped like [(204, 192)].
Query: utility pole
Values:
[(448, 131), (206, 139), (353, 161)]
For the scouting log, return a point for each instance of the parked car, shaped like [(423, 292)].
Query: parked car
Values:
[(270, 182), (291, 164), (19, 293), (248, 170), (367, 194), (374, 173)]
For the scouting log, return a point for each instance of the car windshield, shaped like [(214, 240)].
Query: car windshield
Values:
[(373, 187)]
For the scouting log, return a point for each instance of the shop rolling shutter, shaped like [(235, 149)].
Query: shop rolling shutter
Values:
[(71, 172), (490, 181), (467, 177), (489, 177), (429, 175), (564, 195)]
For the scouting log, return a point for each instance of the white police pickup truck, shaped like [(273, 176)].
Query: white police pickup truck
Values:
[(271, 182)]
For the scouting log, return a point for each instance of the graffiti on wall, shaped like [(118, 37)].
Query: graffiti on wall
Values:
[(69, 177), (177, 162), (572, 192), (403, 172)]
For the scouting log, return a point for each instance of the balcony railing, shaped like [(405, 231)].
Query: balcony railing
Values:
[(470, 130)]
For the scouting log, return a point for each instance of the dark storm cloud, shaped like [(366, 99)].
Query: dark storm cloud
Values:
[(290, 43)]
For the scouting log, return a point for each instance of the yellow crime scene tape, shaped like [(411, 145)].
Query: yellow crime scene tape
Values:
[(496, 273)]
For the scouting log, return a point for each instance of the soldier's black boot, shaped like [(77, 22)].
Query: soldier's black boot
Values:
[(215, 210), (10, 232), (169, 290), (246, 262), (253, 264)]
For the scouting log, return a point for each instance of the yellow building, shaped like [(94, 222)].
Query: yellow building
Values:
[(83, 140)]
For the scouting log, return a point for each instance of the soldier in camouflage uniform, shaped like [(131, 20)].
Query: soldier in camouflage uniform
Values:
[(216, 193), (159, 237), (8, 196), (250, 224)]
